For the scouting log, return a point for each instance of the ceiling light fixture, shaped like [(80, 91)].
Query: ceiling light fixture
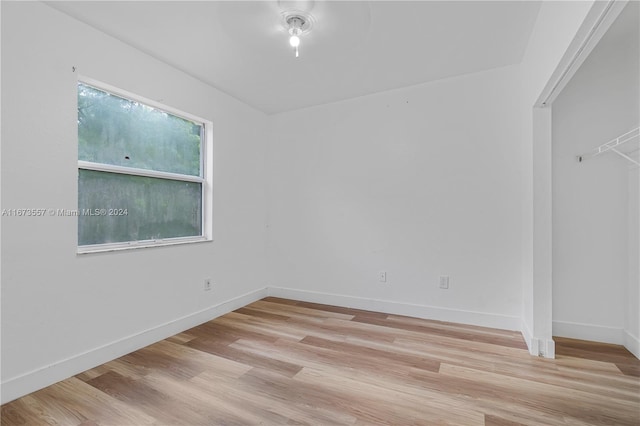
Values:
[(295, 24)]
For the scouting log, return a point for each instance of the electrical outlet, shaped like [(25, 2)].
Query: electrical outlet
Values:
[(207, 284), (444, 282), (382, 276)]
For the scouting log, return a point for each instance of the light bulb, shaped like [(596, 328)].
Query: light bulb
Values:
[(295, 23)]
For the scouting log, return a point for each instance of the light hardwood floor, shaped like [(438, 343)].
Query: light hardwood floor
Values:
[(279, 362)]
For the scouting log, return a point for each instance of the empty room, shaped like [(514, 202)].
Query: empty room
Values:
[(320, 212)]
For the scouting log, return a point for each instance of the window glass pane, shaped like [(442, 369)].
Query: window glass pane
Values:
[(115, 208), (113, 130)]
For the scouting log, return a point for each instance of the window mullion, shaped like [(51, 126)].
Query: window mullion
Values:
[(110, 168)]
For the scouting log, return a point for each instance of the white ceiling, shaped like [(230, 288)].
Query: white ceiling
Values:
[(354, 48)]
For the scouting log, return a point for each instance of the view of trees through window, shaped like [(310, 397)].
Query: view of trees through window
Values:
[(117, 207)]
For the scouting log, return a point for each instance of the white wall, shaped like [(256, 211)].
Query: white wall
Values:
[(592, 207), (558, 24), (418, 182), (59, 310), (632, 313)]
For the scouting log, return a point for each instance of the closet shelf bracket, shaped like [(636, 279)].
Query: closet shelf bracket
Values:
[(613, 145)]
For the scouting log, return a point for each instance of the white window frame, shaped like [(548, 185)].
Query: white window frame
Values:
[(205, 178)]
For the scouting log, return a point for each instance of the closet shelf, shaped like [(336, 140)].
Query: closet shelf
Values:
[(613, 146)]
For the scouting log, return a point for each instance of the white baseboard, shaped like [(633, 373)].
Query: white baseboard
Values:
[(532, 344), (548, 349), (545, 348), (598, 333), (482, 319), (594, 333), (18, 386), (632, 343)]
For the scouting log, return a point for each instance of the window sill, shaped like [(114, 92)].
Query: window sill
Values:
[(130, 245)]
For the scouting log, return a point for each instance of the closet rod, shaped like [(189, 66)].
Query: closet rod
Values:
[(612, 146)]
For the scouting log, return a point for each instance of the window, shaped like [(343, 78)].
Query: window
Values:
[(143, 178)]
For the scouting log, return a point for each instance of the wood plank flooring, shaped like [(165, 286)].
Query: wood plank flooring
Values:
[(278, 362)]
